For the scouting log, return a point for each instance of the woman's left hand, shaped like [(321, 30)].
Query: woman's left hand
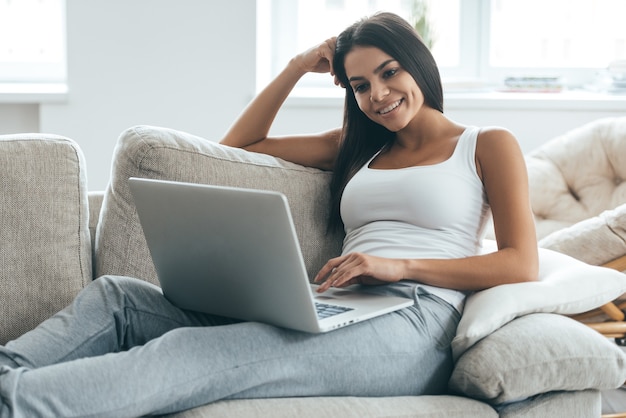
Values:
[(357, 268)]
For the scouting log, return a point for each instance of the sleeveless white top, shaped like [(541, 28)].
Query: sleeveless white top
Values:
[(435, 211)]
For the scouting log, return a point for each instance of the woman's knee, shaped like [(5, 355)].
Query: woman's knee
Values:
[(123, 284), (120, 290)]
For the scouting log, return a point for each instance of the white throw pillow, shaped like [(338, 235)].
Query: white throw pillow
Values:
[(565, 286)]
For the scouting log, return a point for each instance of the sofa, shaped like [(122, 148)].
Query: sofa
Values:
[(56, 236)]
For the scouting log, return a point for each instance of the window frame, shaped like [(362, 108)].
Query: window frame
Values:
[(573, 77), (39, 72), (474, 71)]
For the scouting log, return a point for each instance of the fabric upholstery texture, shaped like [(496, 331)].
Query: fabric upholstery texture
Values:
[(532, 357), (595, 240), (159, 153), (578, 175), (45, 249), (566, 286), (314, 407), (586, 403), (95, 204)]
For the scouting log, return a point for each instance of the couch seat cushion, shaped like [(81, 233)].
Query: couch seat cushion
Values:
[(402, 406)]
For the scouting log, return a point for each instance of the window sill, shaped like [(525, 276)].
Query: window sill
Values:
[(33, 93), (565, 100), (483, 100)]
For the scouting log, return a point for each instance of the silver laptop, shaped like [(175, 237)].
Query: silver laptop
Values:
[(234, 252)]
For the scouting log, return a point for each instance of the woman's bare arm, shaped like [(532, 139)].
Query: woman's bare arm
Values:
[(250, 131)]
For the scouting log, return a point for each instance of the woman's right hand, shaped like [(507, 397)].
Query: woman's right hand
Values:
[(250, 130), (319, 59)]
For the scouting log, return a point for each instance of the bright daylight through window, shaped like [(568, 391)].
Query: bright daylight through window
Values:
[(502, 44), (32, 41)]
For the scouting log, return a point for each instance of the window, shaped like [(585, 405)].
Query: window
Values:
[(295, 25), (573, 39), (475, 42), (565, 34), (32, 41)]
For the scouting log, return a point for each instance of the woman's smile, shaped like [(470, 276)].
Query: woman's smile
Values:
[(390, 108)]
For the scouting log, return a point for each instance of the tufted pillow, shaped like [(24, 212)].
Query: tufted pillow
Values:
[(597, 240), (578, 175), (565, 286), (161, 153), (536, 354), (45, 249)]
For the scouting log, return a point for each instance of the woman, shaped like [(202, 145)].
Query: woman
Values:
[(412, 190)]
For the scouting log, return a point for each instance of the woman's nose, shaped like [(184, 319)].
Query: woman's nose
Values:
[(378, 92)]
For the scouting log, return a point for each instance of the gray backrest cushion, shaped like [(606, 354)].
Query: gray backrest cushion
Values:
[(538, 353), (160, 153), (45, 250)]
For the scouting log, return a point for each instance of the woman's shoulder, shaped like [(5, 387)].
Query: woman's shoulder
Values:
[(494, 139), (491, 134), (497, 145)]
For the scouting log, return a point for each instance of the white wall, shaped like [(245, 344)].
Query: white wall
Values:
[(533, 127), (190, 65), (184, 64), (19, 118)]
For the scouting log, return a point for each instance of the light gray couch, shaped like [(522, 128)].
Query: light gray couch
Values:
[(55, 237)]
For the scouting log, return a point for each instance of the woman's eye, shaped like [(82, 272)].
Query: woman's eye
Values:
[(359, 88), (390, 73)]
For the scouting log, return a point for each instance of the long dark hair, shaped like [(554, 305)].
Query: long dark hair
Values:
[(361, 137)]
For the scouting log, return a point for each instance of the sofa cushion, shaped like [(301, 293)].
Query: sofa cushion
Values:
[(565, 286), (597, 240), (535, 354), (314, 407), (584, 403), (45, 250), (160, 153)]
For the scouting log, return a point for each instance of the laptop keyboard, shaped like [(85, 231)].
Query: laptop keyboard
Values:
[(325, 310)]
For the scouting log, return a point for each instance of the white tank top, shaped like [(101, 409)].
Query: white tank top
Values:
[(435, 211)]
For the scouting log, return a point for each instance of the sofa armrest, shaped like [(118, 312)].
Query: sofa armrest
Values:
[(45, 250)]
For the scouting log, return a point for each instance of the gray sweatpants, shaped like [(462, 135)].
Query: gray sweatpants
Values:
[(121, 349)]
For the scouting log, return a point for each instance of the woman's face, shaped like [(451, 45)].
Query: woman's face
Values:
[(384, 91)]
